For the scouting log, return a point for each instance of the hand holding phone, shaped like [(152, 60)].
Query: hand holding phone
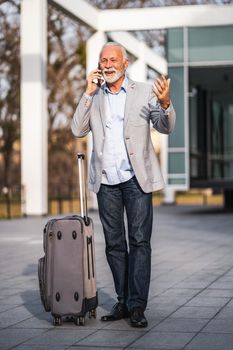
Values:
[(94, 80), (100, 81)]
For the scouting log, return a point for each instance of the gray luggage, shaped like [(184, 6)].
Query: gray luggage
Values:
[(67, 271)]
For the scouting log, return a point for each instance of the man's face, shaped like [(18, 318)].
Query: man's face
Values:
[(112, 64)]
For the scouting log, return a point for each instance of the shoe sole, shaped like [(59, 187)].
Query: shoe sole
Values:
[(109, 319), (138, 325)]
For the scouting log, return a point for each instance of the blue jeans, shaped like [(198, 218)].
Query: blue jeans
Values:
[(130, 264)]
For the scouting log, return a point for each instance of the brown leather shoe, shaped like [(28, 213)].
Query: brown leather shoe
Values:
[(118, 312), (137, 318)]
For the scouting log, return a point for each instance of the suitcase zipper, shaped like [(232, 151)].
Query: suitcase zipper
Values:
[(88, 258), (89, 243), (92, 257), (73, 217)]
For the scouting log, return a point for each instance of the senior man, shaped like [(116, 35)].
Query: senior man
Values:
[(124, 170)]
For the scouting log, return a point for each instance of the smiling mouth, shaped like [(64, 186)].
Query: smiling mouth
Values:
[(109, 73)]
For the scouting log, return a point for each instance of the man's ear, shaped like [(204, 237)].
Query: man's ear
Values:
[(126, 63)]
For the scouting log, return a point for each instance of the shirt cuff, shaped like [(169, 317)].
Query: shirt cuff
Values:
[(166, 111)]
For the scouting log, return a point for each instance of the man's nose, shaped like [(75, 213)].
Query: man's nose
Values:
[(108, 64)]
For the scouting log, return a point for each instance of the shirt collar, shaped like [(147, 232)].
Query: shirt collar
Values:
[(123, 86)]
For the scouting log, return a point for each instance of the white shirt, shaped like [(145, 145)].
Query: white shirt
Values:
[(116, 164)]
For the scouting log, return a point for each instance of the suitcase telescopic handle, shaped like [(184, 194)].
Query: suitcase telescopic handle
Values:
[(82, 188)]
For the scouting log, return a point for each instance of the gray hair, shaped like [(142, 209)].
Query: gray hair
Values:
[(113, 43)]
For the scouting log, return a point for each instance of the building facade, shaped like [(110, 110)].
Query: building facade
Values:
[(200, 150), (200, 61)]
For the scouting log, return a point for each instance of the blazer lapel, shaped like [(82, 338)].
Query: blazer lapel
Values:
[(129, 99), (102, 107)]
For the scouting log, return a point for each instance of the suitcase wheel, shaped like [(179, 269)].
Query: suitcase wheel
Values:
[(81, 321), (57, 321), (92, 313)]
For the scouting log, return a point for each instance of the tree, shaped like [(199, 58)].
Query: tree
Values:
[(66, 82), (9, 93)]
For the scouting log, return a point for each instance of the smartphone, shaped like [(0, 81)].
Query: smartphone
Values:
[(99, 81)]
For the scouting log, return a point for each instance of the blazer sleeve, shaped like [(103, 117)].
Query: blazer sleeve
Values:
[(80, 124), (162, 120)]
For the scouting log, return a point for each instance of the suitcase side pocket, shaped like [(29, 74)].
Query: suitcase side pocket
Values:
[(41, 278)]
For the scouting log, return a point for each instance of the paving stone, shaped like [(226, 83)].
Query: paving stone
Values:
[(180, 325), (43, 321), (145, 348), (5, 346), (12, 337), (192, 284), (207, 301), (156, 310), (226, 313), (195, 312), (160, 340), (60, 336), (13, 316), (80, 347), (230, 304), (221, 285), (190, 250), (211, 341), (41, 347), (226, 278), (219, 326), (6, 307), (217, 293), (104, 337), (15, 299), (124, 325), (169, 300), (181, 292)]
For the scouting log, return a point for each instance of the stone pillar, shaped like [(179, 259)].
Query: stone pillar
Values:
[(138, 70), (169, 195), (34, 114)]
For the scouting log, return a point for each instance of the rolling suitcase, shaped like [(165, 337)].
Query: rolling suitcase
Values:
[(67, 274)]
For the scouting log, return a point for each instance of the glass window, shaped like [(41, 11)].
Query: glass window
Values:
[(211, 124), (176, 163), (211, 44), (176, 181), (175, 45), (176, 139)]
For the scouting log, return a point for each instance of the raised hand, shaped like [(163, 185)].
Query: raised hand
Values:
[(93, 79), (161, 88)]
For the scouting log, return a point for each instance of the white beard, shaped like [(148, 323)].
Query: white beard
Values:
[(118, 74)]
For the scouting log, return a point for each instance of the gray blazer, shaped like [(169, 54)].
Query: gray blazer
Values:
[(141, 107)]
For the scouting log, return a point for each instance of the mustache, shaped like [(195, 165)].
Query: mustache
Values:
[(105, 70)]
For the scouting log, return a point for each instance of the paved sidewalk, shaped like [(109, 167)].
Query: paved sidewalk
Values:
[(191, 296)]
